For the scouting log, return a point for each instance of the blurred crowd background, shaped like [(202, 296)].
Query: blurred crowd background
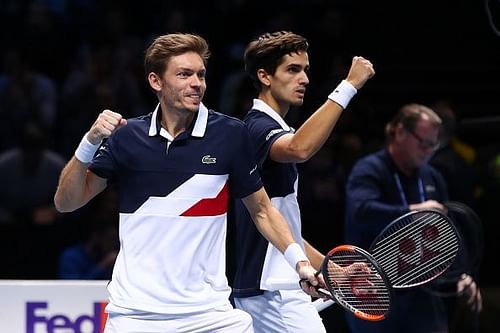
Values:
[(64, 61)]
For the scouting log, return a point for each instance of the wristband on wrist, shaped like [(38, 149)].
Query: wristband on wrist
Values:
[(86, 150), (293, 254), (343, 93)]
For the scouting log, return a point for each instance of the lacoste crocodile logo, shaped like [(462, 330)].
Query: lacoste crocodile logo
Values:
[(207, 159)]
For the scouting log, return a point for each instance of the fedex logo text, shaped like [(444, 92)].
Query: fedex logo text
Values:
[(36, 317)]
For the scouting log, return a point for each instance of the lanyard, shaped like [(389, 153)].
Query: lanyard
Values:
[(402, 193)]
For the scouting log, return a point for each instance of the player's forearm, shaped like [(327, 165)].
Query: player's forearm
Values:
[(274, 228), (314, 256), (311, 136), (71, 190), (314, 132), (272, 225)]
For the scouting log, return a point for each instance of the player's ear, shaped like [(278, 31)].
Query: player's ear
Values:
[(263, 77), (154, 81)]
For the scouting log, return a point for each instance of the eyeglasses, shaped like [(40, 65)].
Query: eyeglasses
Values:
[(424, 143)]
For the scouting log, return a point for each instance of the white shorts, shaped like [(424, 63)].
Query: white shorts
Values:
[(224, 319), (282, 311)]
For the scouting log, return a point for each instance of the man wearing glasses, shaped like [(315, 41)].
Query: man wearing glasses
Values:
[(387, 184)]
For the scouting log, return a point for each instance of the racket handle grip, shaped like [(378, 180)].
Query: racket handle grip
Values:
[(282, 284), (321, 304)]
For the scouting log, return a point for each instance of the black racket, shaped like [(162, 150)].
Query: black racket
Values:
[(469, 255), (416, 248), (354, 280)]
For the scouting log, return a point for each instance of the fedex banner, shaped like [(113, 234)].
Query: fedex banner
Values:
[(52, 306)]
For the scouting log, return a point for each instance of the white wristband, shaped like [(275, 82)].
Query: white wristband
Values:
[(86, 150), (343, 93), (293, 254)]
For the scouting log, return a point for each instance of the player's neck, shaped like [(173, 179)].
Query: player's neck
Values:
[(176, 122), (279, 108)]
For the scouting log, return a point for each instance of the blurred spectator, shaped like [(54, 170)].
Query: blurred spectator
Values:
[(93, 258), (42, 34), (454, 159), (101, 78), (236, 95), (25, 95), (29, 222), (29, 175)]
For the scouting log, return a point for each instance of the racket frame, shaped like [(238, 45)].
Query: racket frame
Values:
[(445, 285), (334, 295)]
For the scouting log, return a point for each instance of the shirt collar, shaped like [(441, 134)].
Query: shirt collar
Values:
[(262, 106), (200, 125)]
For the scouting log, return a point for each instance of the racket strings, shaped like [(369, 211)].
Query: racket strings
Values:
[(363, 289), (396, 237), (409, 225), (446, 253), (416, 249), (404, 227), (423, 273)]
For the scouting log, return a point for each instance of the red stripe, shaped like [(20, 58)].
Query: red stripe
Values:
[(210, 207)]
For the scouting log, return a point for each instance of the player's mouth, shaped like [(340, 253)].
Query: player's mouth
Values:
[(196, 98), (300, 93)]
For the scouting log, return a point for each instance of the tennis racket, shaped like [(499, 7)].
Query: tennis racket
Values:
[(469, 256), (416, 248), (354, 281)]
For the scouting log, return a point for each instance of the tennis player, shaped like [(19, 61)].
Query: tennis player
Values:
[(175, 169), (278, 63)]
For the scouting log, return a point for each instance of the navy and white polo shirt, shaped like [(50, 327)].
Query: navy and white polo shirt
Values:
[(259, 263), (173, 201)]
